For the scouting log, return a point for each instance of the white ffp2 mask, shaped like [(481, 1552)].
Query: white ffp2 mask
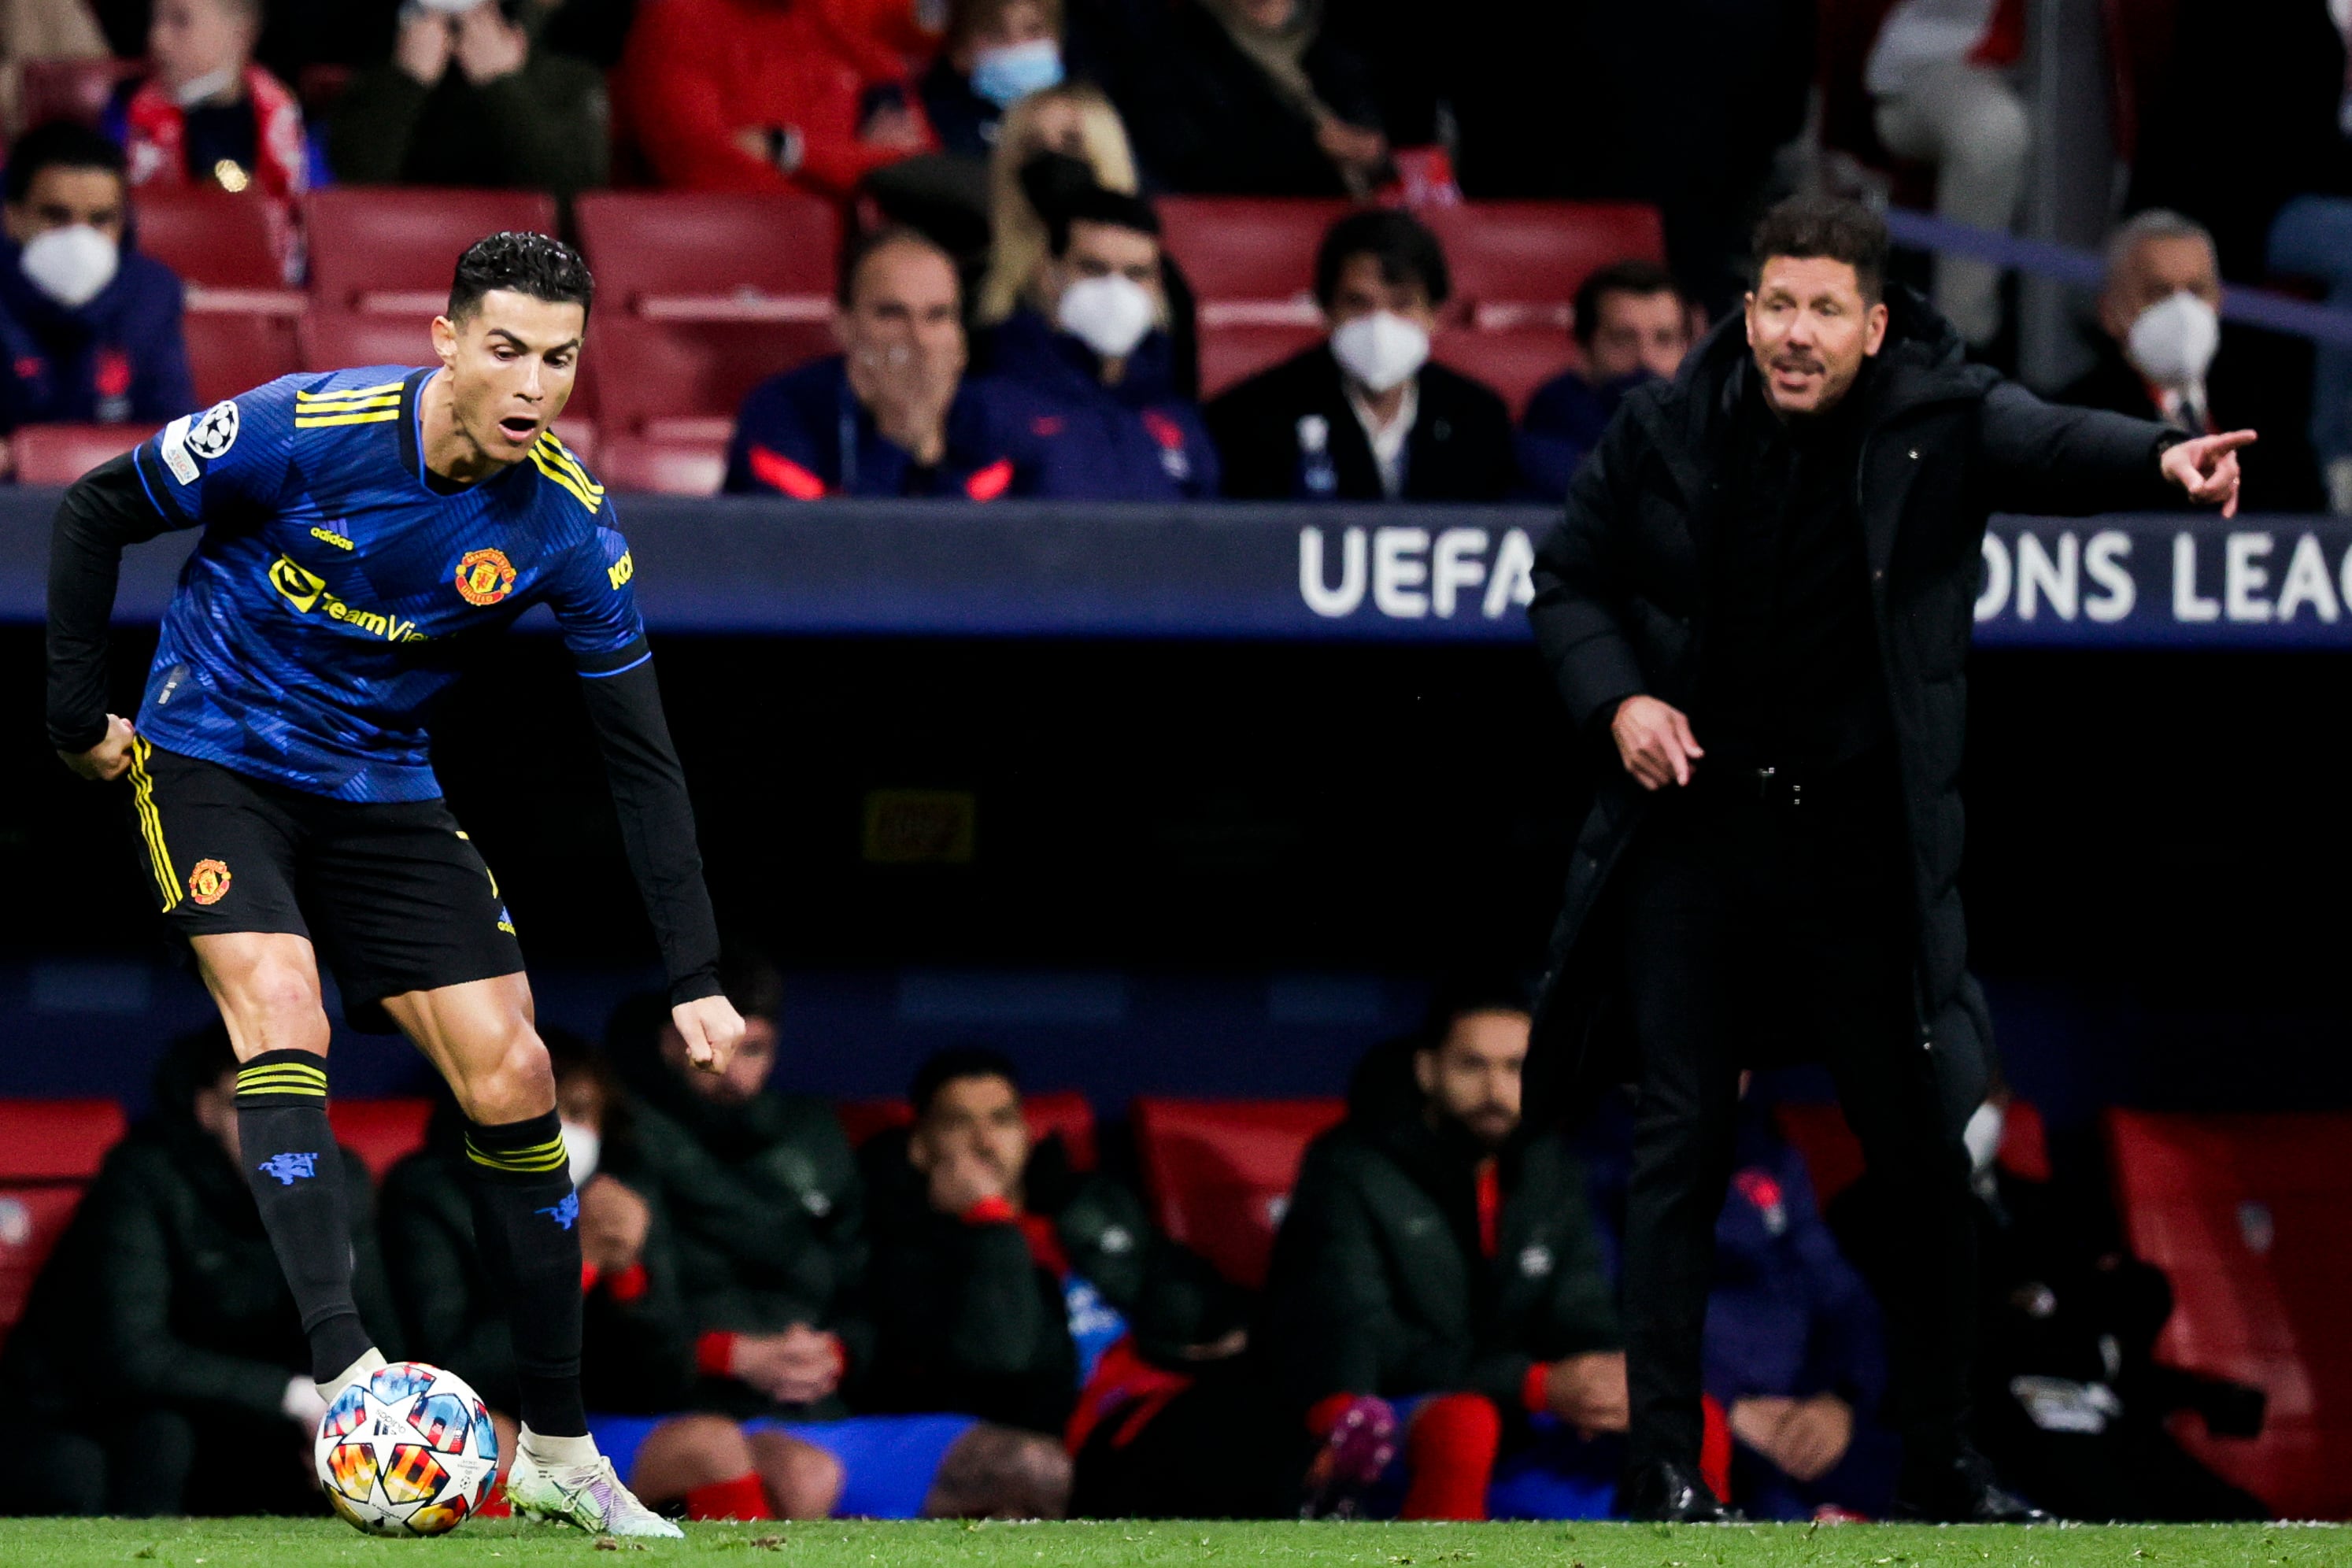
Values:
[(71, 265), (1108, 314), (584, 1146), (1384, 349), (2172, 342)]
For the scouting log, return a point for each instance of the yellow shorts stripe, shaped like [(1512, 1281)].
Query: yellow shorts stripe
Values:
[(151, 825), (302, 422), (330, 395)]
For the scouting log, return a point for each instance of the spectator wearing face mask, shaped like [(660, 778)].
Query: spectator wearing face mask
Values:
[(997, 53), (90, 326), (1081, 385), (469, 97), (2162, 356), (891, 413), (1633, 325), (1364, 415), (209, 115)]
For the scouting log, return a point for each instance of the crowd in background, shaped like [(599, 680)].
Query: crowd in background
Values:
[(1005, 132), (965, 1317)]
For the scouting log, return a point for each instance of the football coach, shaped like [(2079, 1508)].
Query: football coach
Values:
[(1760, 602)]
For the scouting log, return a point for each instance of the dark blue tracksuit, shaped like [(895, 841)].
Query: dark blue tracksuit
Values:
[(118, 358), (1073, 438), (1563, 422), (804, 434)]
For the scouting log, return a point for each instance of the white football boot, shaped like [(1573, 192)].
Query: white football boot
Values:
[(587, 1495), (372, 1362)]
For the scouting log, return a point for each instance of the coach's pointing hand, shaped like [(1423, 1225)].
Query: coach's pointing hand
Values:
[(711, 1029), (2207, 468), (1655, 740), (110, 758)]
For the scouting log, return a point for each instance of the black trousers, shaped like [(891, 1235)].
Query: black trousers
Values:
[(1758, 928)]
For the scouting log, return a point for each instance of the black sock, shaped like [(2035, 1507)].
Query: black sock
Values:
[(526, 1216), (297, 1177)]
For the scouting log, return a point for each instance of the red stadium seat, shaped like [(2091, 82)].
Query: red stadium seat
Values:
[(1231, 354), (650, 466), (31, 1220), (212, 239), (1220, 1172), (681, 381), (60, 454), (1064, 1114), (1517, 264), (230, 352), (374, 248), (1257, 248), (382, 1132), (1833, 1154), (337, 340), (70, 89), (56, 1140), (1515, 361), (2250, 1216)]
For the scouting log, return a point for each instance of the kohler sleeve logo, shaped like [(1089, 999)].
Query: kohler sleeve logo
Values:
[(1411, 573)]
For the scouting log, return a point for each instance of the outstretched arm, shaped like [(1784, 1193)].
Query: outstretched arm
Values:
[(2059, 461), (107, 510), (657, 834)]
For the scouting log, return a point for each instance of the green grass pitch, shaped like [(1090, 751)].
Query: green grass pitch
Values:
[(326, 1544)]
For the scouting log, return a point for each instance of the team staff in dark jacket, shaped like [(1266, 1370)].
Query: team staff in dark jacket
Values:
[(891, 414), (1761, 593), (89, 324), (160, 1367), (1439, 1253), (1363, 415)]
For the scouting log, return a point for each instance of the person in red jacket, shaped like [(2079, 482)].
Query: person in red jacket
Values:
[(766, 95)]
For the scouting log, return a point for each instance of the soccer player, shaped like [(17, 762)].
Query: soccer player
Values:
[(361, 528)]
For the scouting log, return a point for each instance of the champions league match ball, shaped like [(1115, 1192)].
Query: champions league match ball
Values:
[(407, 1450)]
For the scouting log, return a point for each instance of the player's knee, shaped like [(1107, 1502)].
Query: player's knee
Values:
[(1001, 1473), (804, 1481), (703, 1448), (508, 1078), (276, 1007)]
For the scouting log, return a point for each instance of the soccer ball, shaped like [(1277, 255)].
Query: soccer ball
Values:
[(407, 1450)]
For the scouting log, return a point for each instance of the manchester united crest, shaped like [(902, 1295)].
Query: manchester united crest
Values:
[(485, 576), (209, 881)]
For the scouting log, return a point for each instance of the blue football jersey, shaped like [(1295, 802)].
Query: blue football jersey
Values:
[(339, 581)]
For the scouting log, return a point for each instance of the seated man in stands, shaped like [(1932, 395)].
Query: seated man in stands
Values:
[(1633, 325), (891, 413), (767, 1216), (1080, 384), (638, 1360), (90, 328), (1438, 1280), (1012, 1287), (209, 116), (1364, 415), (160, 1367), (2161, 357)]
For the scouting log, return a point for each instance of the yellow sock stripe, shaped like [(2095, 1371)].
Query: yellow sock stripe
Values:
[(281, 1086), (300, 423), (563, 455), (540, 1157), (260, 1071), (151, 825), (330, 395), (546, 464)]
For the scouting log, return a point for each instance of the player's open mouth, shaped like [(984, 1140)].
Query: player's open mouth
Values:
[(520, 428)]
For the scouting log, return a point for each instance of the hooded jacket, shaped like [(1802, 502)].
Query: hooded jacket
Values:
[(1619, 611), (1073, 438), (118, 358)]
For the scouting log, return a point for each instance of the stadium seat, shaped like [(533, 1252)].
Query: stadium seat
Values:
[(1513, 361), (682, 380), (70, 89), (213, 240), (374, 248), (230, 352), (382, 1132), (1256, 248), (60, 454), (663, 467), (1517, 264), (1233, 353), (49, 1148), (1219, 1172), (1064, 1114), (31, 1220), (1833, 1154), (2250, 1216), (335, 339)]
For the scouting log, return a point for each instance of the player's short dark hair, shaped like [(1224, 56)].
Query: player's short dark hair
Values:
[(1095, 204), (1399, 243), (59, 144), (1638, 278), (1827, 227), (523, 263), (866, 245), (1467, 991), (952, 1065)]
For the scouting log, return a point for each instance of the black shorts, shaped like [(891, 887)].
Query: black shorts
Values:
[(392, 893)]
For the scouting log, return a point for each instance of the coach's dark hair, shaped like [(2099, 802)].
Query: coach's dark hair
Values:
[(59, 144), (941, 1068), (1641, 278), (1827, 227), (525, 263), (866, 245), (1399, 243), (1096, 204)]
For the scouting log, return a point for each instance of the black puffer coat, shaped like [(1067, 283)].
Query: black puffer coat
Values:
[(1619, 611)]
